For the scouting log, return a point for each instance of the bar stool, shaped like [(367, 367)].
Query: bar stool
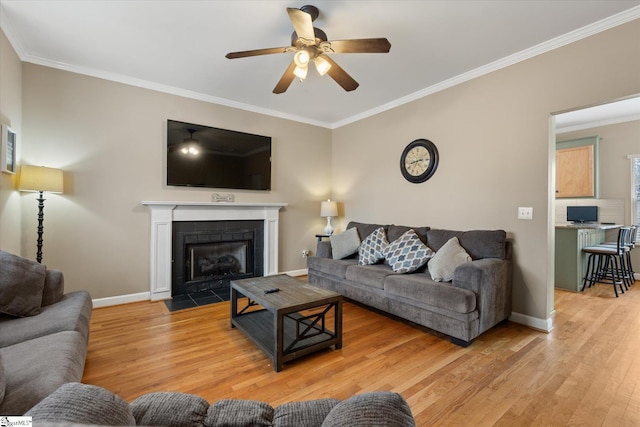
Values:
[(628, 244), (606, 263)]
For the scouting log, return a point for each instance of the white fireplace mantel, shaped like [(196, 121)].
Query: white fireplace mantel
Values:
[(164, 213)]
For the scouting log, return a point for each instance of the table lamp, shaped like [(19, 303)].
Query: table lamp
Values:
[(328, 209), (40, 179)]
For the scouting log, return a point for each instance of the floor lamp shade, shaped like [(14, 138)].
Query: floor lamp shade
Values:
[(328, 209), (40, 178)]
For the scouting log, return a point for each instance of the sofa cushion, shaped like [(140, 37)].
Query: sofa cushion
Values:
[(310, 413), (421, 289), (71, 313), (36, 368), (372, 248), (407, 253), (21, 285), (449, 257), (171, 409), (365, 229), (345, 243), (83, 404), (371, 409), (239, 413), (478, 243), (369, 275), (53, 287), (333, 267), (395, 231)]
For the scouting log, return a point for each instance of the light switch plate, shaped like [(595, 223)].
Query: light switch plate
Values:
[(525, 213)]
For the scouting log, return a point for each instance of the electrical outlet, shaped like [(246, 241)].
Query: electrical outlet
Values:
[(305, 253), (525, 213)]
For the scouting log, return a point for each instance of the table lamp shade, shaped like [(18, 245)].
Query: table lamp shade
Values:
[(40, 178), (328, 209)]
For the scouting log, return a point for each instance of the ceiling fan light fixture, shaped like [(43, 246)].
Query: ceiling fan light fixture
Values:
[(322, 65), (301, 72), (302, 58)]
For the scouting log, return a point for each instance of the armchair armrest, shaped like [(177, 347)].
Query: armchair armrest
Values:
[(491, 280)]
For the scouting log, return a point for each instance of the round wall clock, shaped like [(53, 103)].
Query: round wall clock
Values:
[(419, 160)]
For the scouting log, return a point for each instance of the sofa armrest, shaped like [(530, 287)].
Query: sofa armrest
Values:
[(491, 280), (53, 287), (324, 250)]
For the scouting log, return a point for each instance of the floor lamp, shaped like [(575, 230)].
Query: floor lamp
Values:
[(40, 179)]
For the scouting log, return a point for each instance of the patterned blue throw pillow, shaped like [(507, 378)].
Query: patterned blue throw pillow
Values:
[(407, 253), (372, 248)]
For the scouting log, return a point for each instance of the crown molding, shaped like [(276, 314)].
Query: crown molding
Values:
[(563, 40), (573, 36)]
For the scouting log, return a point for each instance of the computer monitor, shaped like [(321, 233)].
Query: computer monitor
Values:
[(582, 214)]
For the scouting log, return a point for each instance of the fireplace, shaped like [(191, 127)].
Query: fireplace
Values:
[(165, 213), (207, 255)]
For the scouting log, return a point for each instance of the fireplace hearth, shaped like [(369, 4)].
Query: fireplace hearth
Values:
[(207, 255)]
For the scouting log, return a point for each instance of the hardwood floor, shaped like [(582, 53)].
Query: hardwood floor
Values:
[(585, 372)]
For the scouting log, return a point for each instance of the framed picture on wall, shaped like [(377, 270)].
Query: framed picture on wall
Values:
[(8, 155)]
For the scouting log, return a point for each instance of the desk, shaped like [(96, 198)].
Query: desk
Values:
[(570, 262)]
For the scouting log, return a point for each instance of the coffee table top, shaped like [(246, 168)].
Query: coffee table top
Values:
[(293, 292)]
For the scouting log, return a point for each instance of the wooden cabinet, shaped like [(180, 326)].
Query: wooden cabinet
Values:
[(570, 262), (577, 168)]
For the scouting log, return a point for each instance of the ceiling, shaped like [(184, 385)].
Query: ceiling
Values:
[(179, 46)]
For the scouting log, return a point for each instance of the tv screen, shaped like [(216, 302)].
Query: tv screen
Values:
[(202, 156), (580, 214)]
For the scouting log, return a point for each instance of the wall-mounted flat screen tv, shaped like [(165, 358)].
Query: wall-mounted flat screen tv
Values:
[(581, 214), (203, 156)]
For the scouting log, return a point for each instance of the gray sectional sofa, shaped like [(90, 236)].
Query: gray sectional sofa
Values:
[(476, 298), (78, 404), (43, 333)]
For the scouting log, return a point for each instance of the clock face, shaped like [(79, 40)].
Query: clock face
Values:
[(419, 160)]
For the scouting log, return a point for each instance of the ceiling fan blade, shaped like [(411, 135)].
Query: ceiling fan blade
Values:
[(380, 45), (285, 80), (302, 24), (246, 53), (340, 76)]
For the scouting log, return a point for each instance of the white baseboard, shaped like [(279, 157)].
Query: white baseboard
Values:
[(544, 325), (121, 299), (146, 296)]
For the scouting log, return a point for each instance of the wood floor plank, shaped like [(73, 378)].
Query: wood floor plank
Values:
[(585, 372)]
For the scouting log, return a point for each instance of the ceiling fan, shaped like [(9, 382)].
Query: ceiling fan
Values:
[(310, 44)]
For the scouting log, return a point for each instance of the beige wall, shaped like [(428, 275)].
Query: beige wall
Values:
[(617, 142), (493, 137), (492, 134), (10, 114), (109, 138)]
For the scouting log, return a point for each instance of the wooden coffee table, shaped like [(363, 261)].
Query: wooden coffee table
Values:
[(289, 323)]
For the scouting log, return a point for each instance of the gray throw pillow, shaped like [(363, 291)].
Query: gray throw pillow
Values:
[(407, 253), (83, 404), (306, 413), (239, 413), (21, 285), (449, 257), (345, 243), (171, 409), (380, 409)]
